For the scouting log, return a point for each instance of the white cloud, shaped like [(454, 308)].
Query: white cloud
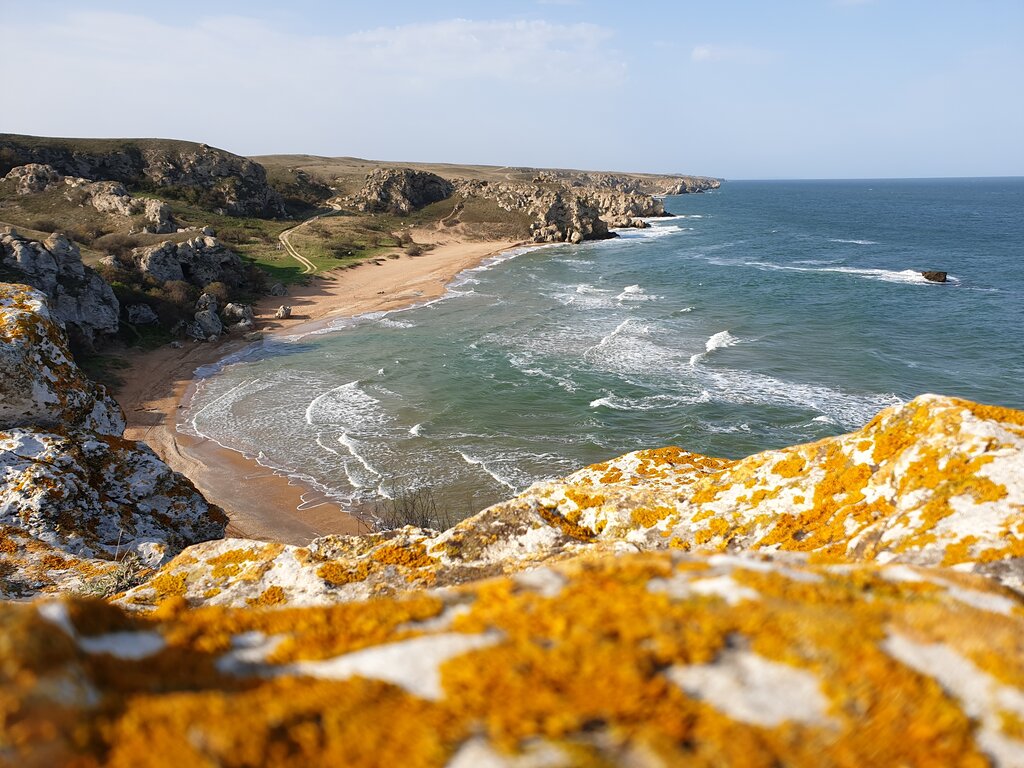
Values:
[(266, 88)]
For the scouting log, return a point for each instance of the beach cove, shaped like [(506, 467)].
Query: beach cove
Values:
[(263, 503)]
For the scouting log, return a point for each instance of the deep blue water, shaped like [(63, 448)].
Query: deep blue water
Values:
[(765, 314)]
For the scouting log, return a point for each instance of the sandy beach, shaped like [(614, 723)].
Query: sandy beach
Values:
[(261, 503)]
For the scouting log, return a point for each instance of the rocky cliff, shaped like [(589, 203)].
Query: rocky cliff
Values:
[(74, 495), (80, 298), (212, 176), (199, 261)]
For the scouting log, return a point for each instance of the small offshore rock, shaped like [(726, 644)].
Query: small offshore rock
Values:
[(934, 276)]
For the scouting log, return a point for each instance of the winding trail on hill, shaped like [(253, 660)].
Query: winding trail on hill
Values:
[(308, 266)]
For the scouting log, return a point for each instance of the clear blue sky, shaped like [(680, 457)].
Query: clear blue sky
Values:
[(738, 89)]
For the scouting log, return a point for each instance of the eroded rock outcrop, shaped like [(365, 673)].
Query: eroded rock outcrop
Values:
[(79, 296), (74, 495), (33, 178), (215, 177), (401, 191), (199, 261), (40, 384)]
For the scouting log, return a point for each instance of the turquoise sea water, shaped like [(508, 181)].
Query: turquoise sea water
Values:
[(765, 314)]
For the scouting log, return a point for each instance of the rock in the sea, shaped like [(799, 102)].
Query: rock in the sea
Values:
[(33, 178), (78, 295), (141, 314), (283, 312), (40, 384), (934, 276), (401, 190)]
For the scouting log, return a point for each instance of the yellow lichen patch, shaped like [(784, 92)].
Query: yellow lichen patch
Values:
[(230, 563), (648, 517), (571, 529), (584, 500), (270, 596), (791, 466)]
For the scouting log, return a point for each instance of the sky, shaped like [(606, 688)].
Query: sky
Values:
[(740, 89)]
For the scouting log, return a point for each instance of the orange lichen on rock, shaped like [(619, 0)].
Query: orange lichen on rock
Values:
[(684, 659)]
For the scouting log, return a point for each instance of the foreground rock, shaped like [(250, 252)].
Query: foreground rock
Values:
[(935, 482), (79, 296), (74, 495), (645, 659)]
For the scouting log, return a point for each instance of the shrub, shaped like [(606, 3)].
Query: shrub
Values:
[(408, 505), (45, 225), (117, 243), (220, 291)]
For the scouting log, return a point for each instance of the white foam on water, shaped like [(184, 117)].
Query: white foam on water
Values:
[(720, 340), (749, 387), (414, 430), (852, 242), (387, 322), (473, 461), (906, 276), (647, 233), (650, 403), (636, 293), (347, 406), (354, 448)]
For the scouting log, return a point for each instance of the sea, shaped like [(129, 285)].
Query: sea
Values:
[(761, 315)]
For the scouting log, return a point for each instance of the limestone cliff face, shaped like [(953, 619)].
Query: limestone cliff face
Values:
[(224, 180), (78, 295), (74, 495)]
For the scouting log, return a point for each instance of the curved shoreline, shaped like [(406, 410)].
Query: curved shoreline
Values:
[(263, 503)]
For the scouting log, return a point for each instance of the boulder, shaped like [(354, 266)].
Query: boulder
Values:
[(141, 314), (199, 261), (283, 312), (934, 276), (278, 289), (40, 384), (208, 324), (111, 197), (206, 301), (158, 217), (33, 178), (234, 314), (78, 296)]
